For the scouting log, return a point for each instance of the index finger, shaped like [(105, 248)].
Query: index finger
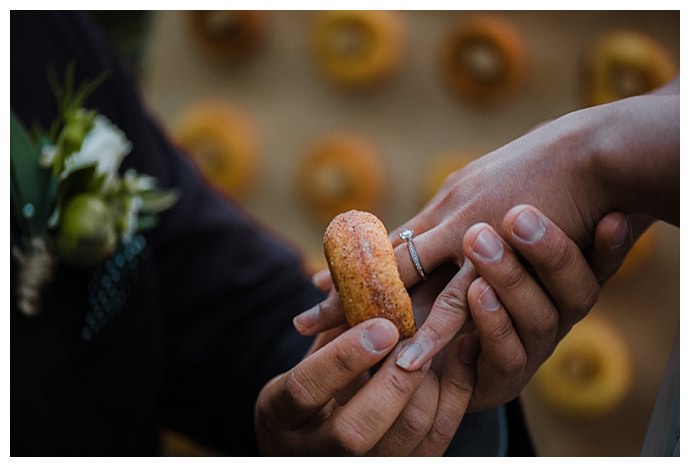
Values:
[(448, 314)]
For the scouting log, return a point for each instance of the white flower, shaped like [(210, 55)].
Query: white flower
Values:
[(130, 216), (135, 183), (105, 144), (48, 152)]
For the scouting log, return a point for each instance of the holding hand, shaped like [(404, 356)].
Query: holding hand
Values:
[(329, 405)]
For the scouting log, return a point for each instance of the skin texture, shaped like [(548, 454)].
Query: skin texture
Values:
[(329, 403), (620, 158)]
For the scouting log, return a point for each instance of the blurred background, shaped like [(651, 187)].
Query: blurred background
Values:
[(297, 116)]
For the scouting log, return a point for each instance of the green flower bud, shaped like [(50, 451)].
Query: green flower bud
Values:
[(86, 234), (77, 125)]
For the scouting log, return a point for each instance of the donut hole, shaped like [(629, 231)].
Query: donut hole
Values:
[(222, 25), (627, 80), (228, 35), (484, 59), (582, 367), (351, 40), (481, 60), (332, 182)]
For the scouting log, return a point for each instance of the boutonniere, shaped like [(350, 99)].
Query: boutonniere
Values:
[(68, 197)]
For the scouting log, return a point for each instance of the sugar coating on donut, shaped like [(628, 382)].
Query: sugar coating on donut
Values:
[(365, 273)]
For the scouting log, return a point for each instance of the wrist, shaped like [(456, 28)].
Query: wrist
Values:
[(633, 155)]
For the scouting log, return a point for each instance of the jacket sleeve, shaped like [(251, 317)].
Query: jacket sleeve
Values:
[(228, 288)]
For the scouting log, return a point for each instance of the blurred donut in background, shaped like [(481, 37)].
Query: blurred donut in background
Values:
[(626, 63), (222, 141), (639, 256), (484, 58), (228, 35), (358, 49), (341, 172), (440, 168), (590, 372)]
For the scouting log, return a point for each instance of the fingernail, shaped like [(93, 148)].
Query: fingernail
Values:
[(528, 227), (622, 235), (488, 299), (321, 279), (379, 335), (306, 319), (487, 246), (469, 350), (409, 355)]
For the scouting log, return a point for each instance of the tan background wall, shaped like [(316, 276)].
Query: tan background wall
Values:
[(412, 120)]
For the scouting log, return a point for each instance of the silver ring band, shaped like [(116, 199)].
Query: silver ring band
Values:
[(408, 235)]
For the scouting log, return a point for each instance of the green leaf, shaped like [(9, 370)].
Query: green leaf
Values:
[(146, 223), (158, 200), (29, 180)]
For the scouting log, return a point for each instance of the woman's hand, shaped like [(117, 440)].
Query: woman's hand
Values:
[(620, 156)]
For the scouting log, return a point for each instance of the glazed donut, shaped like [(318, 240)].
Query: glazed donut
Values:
[(358, 49), (639, 255), (626, 63), (364, 271), (484, 58), (222, 141), (589, 373), (228, 34), (341, 172)]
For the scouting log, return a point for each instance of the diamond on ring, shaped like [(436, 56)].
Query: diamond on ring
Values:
[(408, 235)]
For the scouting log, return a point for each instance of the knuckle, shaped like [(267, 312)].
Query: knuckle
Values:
[(512, 277), (545, 327), (587, 302), (514, 365), (561, 257), (461, 386), (451, 302), (399, 383), (441, 431), (263, 409), (501, 332), (294, 394), (432, 334), (416, 420), (345, 362), (348, 439)]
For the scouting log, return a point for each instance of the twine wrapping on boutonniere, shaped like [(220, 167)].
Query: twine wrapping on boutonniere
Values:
[(68, 197)]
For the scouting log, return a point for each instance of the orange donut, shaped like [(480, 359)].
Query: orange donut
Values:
[(589, 373), (358, 49), (228, 34), (484, 58), (639, 255), (365, 272), (340, 173), (626, 63), (222, 141)]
